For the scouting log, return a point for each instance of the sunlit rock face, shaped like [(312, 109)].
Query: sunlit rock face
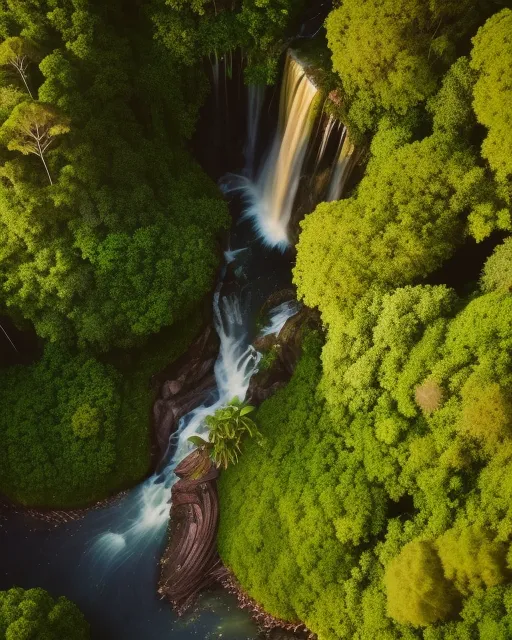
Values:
[(190, 560)]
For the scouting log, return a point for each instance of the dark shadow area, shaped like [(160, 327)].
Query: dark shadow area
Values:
[(17, 346), (463, 270), (402, 508)]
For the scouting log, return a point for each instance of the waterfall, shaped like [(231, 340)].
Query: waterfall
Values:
[(345, 160), (216, 79), (271, 197), (279, 180), (256, 94), (325, 139)]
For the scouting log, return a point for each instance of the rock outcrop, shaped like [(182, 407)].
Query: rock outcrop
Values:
[(280, 355), (187, 385), (190, 562)]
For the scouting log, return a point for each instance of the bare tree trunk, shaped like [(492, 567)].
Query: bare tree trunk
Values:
[(28, 89), (8, 338), (19, 68), (43, 161), (49, 176)]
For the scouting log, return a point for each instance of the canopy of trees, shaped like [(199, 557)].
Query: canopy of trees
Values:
[(191, 29), (380, 505), (109, 235), (115, 236), (33, 614)]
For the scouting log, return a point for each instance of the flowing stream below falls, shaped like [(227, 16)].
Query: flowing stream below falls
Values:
[(107, 562)]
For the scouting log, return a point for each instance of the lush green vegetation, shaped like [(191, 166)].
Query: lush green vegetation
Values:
[(228, 427), (77, 426), (34, 615), (109, 237), (380, 506), (193, 29)]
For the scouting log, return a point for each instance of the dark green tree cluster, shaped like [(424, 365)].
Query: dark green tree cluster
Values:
[(380, 506), (109, 236), (33, 614), (59, 436), (192, 29), (112, 236)]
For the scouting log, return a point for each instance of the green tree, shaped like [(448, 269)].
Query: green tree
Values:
[(32, 128), (497, 272), (471, 559), (33, 614), (410, 211), (18, 53), (491, 58), (417, 591), (388, 54)]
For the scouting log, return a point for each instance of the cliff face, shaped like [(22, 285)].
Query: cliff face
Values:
[(190, 562)]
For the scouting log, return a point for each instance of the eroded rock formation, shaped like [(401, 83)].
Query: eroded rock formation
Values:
[(187, 385), (190, 562), (284, 351)]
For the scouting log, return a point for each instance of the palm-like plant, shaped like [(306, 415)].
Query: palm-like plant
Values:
[(228, 426)]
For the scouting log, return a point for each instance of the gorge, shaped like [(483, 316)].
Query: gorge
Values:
[(255, 320), (108, 560)]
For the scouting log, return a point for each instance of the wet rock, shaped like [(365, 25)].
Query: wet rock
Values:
[(280, 355), (190, 562), (185, 386)]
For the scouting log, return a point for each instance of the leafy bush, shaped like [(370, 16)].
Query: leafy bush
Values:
[(228, 426), (417, 591)]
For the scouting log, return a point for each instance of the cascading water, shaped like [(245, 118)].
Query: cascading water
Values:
[(270, 199), (236, 364), (345, 160), (325, 139), (107, 562)]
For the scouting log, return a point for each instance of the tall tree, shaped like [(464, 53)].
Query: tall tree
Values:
[(32, 128), (18, 53)]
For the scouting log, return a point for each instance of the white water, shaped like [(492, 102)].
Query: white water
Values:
[(279, 315), (325, 139), (345, 160), (148, 512), (270, 198)]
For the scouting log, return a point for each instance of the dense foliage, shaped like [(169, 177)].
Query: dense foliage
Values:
[(382, 494), (109, 236), (117, 238), (191, 29), (380, 506), (76, 428), (33, 614)]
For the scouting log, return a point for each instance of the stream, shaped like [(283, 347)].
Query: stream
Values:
[(107, 562)]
